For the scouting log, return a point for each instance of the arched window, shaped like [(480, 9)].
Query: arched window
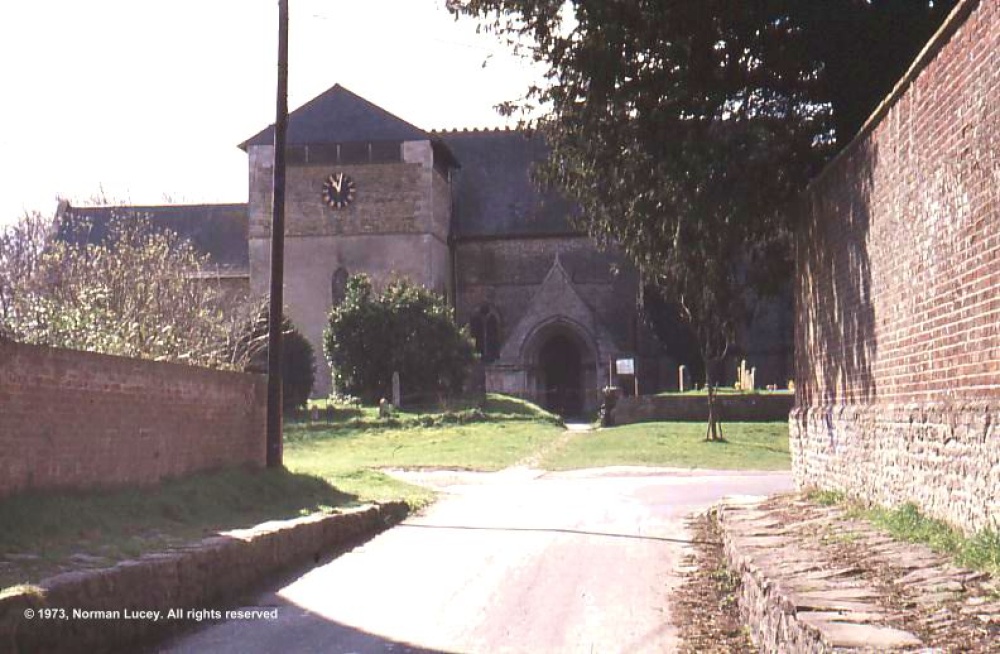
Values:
[(485, 327), (491, 349), (339, 285), (478, 333)]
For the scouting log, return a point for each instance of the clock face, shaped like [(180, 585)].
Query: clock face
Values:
[(338, 191)]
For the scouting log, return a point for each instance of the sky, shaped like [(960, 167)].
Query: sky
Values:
[(146, 102)]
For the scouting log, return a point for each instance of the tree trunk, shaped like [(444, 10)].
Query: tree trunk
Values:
[(714, 430)]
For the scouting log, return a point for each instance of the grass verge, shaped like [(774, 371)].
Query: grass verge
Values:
[(493, 408), (748, 446), (350, 458), (349, 452), (44, 534), (980, 551)]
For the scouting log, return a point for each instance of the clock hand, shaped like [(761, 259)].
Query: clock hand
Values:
[(335, 182)]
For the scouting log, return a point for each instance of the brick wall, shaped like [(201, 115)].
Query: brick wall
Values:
[(898, 292), (76, 420)]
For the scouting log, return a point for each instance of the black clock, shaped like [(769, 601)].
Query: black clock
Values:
[(338, 191)]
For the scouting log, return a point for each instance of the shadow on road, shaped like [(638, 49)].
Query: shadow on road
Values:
[(295, 630), (555, 530)]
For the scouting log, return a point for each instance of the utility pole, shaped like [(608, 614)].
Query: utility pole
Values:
[(274, 417)]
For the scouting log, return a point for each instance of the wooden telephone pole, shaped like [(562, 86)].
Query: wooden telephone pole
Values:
[(274, 417)]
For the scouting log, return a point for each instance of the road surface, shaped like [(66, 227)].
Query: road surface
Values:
[(520, 560)]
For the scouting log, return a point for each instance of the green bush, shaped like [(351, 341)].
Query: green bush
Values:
[(405, 329)]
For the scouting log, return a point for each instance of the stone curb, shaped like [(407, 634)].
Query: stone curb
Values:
[(75, 611), (796, 596)]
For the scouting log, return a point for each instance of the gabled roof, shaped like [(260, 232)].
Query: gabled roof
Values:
[(218, 230), (556, 301), (494, 193), (339, 116)]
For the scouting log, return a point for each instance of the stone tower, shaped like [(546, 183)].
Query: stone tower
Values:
[(365, 192)]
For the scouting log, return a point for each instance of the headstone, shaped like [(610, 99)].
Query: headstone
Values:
[(752, 379), (682, 380), (395, 389)]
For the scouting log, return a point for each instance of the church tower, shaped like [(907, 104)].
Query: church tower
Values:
[(365, 192)]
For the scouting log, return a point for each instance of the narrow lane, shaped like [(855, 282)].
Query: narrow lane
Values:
[(515, 561)]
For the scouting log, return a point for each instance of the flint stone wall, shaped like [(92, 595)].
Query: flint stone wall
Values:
[(694, 408)]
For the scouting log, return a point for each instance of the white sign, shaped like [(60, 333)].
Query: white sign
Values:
[(625, 366)]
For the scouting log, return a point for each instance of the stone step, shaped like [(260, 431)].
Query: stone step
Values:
[(783, 617), (814, 581)]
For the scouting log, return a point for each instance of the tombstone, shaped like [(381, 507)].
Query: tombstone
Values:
[(395, 390), (752, 379), (682, 379)]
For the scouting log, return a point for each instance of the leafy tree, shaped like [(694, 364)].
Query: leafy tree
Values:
[(865, 47), (136, 291), (298, 368), (678, 128), (406, 329)]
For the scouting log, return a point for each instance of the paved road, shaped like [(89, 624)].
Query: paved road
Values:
[(515, 561)]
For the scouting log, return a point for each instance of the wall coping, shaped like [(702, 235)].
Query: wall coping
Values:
[(208, 575)]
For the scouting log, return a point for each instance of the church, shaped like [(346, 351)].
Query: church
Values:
[(455, 211)]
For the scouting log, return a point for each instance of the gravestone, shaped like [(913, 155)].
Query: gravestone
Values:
[(682, 379), (395, 390)]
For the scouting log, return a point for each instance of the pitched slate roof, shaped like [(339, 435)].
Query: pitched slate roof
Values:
[(339, 116), (218, 230), (494, 193)]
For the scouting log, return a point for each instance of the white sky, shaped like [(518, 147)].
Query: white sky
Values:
[(146, 101)]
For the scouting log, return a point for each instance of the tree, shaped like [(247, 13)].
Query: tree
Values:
[(298, 369), (131, 291), (406, 329), (679, 128), (865, 47)]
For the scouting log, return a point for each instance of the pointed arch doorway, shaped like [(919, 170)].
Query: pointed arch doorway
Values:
[(561, 361), (560, 372)]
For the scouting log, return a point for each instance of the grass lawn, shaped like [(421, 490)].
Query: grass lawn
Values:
[(350, 458), (43, 534), (749, 446), (349, 453)]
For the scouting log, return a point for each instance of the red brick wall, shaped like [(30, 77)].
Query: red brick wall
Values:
[(898, 290), (79, 420)]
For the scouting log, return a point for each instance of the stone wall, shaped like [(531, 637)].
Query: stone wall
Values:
[(96, 610), (390, 197), (396, 225), (898, 292), (750, 407), (506, 273), (75, 420)]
